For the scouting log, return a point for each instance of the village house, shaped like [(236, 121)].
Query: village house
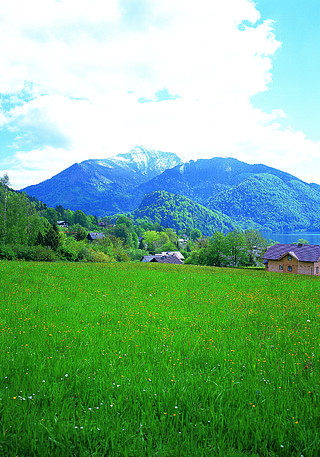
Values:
[(63, 224), (293, 258), (162, 258), (183, 242), (92, 236), (176, 253)]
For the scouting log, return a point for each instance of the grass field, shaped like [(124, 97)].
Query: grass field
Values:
[(157, 360)]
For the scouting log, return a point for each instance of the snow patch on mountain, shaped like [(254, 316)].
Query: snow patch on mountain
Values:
[(148, 162), (104, 164)]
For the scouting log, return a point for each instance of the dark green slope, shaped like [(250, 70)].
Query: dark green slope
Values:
[(266, 197), (179, 212), (271, 202)]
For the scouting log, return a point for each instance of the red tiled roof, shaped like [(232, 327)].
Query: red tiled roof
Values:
[(303, 252)]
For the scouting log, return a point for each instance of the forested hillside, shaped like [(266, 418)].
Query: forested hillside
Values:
[(253, 195), (271, 202), (180, 213)]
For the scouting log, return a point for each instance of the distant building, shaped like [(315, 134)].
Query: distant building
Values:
[(293, 258), (183, 242), (176, 253), (63, 224), (92, 236), (162, 258)]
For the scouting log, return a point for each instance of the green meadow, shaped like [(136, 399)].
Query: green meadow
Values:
[(132, 359)]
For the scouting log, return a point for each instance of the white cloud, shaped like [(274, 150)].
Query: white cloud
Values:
[(88, 63)]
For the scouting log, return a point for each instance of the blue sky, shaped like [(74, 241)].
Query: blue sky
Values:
[(87, 79), (296, 65)]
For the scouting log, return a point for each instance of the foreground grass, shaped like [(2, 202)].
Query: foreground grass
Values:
[(156, 360)]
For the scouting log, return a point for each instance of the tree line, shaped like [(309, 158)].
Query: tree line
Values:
[(29, 230), (236, 249)]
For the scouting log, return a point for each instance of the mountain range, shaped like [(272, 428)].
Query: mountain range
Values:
[(104, 187), (250, 195)]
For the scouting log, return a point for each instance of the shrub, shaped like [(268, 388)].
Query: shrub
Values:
[(44, 254), (136, 254), (84, 255), (6, 252), (101, 257), (24, 252), (90, 255), (67, 252)]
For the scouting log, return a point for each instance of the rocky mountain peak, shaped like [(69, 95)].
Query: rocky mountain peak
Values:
[(149, 162)]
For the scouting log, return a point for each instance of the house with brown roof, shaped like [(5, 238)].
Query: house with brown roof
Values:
[(293, 258)]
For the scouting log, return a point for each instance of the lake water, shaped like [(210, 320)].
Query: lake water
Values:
[(289, 238)]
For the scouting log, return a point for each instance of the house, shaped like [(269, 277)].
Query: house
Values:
[(93, 236), (162, 258), (293, 258), (183, 242), (63, 224), (176, 253)]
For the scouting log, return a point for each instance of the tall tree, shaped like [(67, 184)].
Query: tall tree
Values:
[(79, 232), (195, 233), (79, 217), (60, 211), (51, 215), (36, 224), (256, 245), (236, 245), (4, 181), (51, 239), (216, 250), (126, 221), (40, 239)]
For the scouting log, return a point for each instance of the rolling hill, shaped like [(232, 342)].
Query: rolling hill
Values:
[(178, 212)]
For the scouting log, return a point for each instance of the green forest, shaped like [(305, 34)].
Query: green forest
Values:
[(32, 231), (181, 213)]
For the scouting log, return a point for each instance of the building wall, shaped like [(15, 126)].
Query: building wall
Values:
[(273, 265), (307, 268), (304, 268)]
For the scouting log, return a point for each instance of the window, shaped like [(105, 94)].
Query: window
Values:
[(289, 257), (280, 267), (289, 268), (317, 269)]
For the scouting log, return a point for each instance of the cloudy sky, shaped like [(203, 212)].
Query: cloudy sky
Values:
[(84, 79)]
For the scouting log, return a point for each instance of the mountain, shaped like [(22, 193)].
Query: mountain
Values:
[(271, 202), (252, 195), (202, 179), (105, 186), (258, 195), (179, 212)]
